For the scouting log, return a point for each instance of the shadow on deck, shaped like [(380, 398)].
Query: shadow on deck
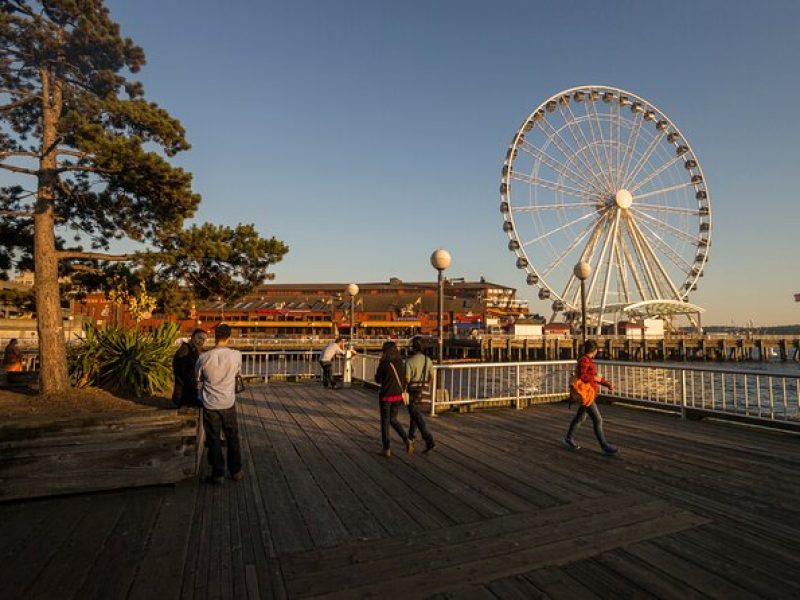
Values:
[(499, 510)]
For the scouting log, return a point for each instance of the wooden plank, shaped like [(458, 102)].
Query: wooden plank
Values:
[(23, 564), (67, 571), (354, 515), (363, 476), (433, 509), (161, 570), (602, 581), (263, 576), (480, 569), (482, 560), (114, 569), (515, 588), (692, 575), (730, 563), (197, 542), (336, 559), (557, 583), (658, 583), (440, 498)]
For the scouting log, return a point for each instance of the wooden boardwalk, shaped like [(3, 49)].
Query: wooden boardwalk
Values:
[(499, 510)]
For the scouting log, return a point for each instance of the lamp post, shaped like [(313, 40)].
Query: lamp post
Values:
[(582, 271), (440, 260), (352, 291)]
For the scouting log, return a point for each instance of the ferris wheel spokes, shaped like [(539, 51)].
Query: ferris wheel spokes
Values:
[(666, 227), (560, 167), (615, 182), (556, 138), (572, 121)]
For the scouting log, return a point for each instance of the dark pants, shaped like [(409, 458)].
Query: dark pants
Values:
[(416, 420), (389, 417), (597, 421), (215, 422), (327, 374)]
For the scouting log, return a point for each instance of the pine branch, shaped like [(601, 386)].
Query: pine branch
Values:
[(16, 213), (14, 169), (27, 154), (85, 169), (20, 102), (75, 255)]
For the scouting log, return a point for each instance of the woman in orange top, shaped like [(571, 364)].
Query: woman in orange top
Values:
[(12, 358), (587, 372)]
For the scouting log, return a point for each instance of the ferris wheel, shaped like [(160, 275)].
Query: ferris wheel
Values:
[(600, 175)]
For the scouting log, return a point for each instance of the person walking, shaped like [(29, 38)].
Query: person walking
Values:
[(12, 357), (419, 372), (586, 371), (184, 393), (216, 382), (390, 374), (331, 351)]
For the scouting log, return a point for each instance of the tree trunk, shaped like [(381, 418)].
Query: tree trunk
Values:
[(49, 322)]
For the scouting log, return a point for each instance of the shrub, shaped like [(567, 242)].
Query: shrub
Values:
[(122, 360)]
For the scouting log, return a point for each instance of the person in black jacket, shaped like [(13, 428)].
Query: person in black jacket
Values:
[(392, 378), (185, 391)]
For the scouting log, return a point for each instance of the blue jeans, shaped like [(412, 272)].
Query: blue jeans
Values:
[(416, 420), (597, 422)]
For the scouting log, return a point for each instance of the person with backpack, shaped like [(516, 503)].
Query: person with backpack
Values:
[(588, 380), (419, 372)]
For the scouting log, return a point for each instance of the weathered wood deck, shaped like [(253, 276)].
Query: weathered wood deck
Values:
[(499, 510)]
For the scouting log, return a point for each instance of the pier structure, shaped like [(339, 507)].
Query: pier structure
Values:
[(499, 510), (674, 348)]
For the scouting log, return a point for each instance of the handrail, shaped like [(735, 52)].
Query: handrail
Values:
[(762, 397)]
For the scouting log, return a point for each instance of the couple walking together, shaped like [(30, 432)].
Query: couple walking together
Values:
[(396, 377)]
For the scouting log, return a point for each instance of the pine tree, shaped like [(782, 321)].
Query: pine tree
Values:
[(91, 155)]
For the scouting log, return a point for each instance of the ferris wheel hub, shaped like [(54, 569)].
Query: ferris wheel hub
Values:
[(624, 199)]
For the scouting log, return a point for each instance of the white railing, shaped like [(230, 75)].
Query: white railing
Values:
[(502, 383), (766, 398), (754, 395), (286, 364), (364, 367)]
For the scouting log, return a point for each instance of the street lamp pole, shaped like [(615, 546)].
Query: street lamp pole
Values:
[(352, 291), (440, 260), (582, 271)]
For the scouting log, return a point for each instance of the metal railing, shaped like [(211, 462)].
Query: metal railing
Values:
[(286, 364), (764, 398), (512, 384), (753, 395)]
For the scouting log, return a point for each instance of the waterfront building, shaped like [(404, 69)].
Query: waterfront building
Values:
[(287, 310)]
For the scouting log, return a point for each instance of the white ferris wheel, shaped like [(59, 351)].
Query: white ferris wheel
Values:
[(600, 175)]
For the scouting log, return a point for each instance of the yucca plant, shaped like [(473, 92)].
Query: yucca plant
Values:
[(127, 361)]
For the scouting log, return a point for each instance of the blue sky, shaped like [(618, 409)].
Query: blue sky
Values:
[(365, 134)]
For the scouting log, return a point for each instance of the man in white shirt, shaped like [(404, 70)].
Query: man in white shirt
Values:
[(216, 372), (331, 351)]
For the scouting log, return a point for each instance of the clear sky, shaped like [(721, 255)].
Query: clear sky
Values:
[(365, 134)]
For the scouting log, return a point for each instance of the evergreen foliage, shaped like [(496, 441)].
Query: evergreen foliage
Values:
[(89, 157)]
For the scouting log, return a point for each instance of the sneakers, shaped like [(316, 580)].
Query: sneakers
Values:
[(610, 450), (238, 476), (409, 446), (571, 443), (429, 446), (215, 480), (385, 453)]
